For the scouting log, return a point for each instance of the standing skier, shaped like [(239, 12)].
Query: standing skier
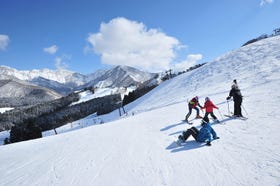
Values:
[(205, 134), (237, 99), (209, 106), (193, 103)]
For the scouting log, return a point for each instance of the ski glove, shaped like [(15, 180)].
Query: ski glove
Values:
[(228, 98), (217, 137)]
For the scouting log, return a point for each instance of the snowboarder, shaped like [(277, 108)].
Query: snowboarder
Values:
[(237, 99), (205, 134), (209, 106), (193, 103)]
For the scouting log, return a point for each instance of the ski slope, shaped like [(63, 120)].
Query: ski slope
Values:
[(138, 149)]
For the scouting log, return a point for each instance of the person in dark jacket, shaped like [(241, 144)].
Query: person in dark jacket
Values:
[(193, 103), (237, 99), (205, 135)]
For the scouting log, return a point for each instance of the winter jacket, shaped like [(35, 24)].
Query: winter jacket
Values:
[(206, 133), (193, 103), (209, 106), (236, 94)]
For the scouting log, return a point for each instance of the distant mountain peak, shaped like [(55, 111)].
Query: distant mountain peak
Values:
[(65, 81)]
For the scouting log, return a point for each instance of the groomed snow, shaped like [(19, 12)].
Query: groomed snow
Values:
[(138, 149)]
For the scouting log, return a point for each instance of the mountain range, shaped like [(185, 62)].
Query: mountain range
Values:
[(56, 83)]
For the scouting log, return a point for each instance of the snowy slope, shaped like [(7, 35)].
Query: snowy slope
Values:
[(139, 149)]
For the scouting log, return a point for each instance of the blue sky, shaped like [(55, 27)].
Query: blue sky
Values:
[(87, 35)]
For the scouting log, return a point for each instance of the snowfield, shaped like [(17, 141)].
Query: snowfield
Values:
[(138, 149)]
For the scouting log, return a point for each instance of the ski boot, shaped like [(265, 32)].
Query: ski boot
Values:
[(180, 140), (216, 120)]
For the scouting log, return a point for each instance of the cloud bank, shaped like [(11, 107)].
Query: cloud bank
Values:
[(125, 42), (264, 2), (51, 50), (190, 61), (4, 41)]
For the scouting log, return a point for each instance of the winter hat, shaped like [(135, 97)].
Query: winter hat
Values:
[(196, 98), (207, 99)]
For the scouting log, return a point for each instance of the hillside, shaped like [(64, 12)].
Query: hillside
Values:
[(139, 149), (17, 93)]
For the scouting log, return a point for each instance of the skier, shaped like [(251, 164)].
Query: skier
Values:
[(237, 99), (205, 134), (209, 106), (193, 105)]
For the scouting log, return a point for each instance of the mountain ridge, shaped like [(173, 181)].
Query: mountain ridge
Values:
[(64, 81)]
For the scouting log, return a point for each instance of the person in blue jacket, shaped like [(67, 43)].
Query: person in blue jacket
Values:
[(205, 135)]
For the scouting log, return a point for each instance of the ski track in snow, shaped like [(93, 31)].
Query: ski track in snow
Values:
[(139, 150)]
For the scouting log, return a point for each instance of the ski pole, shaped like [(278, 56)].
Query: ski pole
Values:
[(244, 109), (228, 108), (221, 114)]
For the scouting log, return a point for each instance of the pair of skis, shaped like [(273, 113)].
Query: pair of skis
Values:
[(236, 117)]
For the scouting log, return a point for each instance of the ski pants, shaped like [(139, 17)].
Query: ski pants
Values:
[(192, 131), (237, 107), (190, 111), (212, 115)]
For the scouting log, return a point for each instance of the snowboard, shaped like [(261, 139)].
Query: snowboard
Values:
[(234, 117)]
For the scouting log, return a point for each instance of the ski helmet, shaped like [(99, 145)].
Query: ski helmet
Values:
[(207, 99)]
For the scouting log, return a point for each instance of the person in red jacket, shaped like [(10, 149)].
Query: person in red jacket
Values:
[(209, 107), (193, 103)]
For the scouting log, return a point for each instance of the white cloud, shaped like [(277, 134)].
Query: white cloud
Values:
[(126, 42), (4, 41), (51, 50), (263, 2), (190, 61), (62, 62)]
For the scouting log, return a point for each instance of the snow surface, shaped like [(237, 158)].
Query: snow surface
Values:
[(138, 149), (4, 109), (101, 92)]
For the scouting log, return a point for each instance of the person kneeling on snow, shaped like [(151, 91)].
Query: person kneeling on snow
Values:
[(205, 134)]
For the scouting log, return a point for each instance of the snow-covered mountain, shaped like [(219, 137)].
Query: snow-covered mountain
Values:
[(64, 81), (121, 76), (16, 93), (60, 75), (139, 150), (61, 81)]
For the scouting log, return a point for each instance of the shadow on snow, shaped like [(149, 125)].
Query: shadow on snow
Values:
[(188, 145)]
